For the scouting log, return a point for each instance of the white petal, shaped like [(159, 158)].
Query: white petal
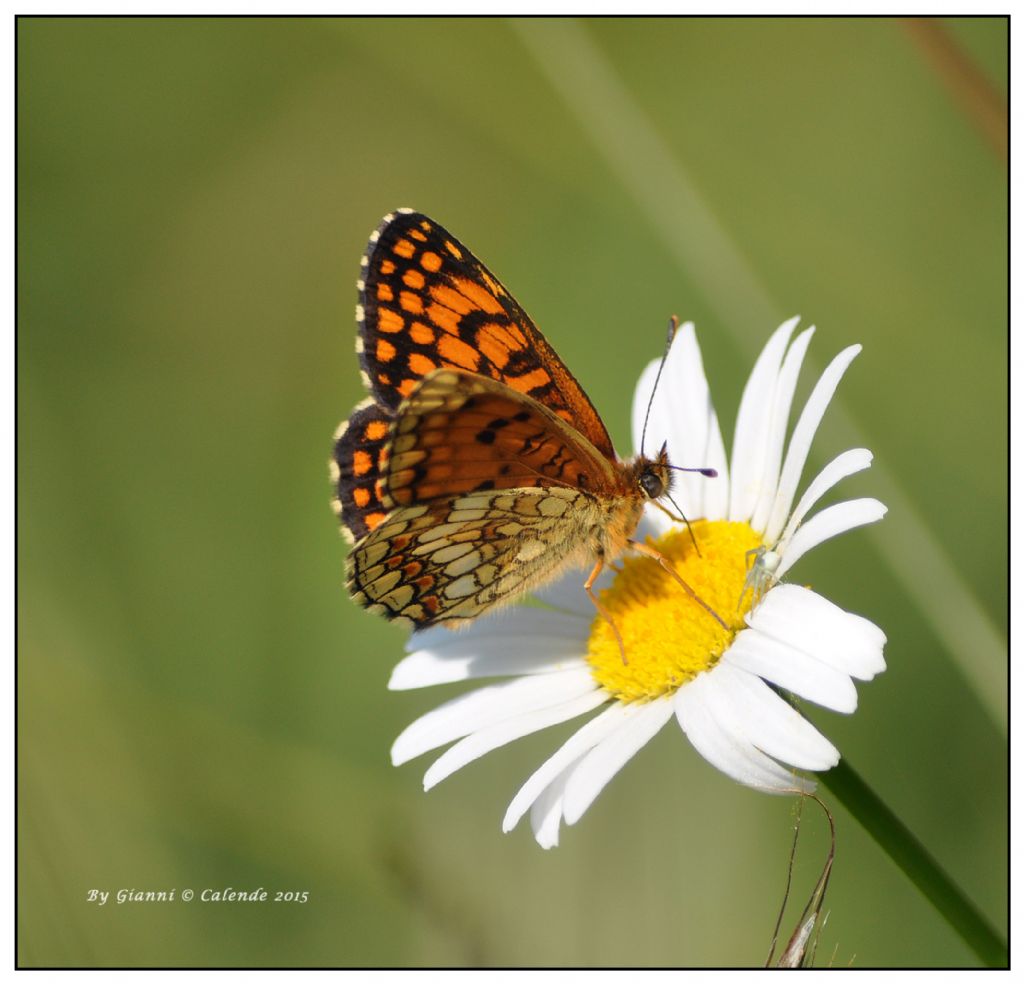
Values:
[(507, 624), (694, 437), (750, 443), (514, 642), (683, 416), (654, 523), (546, 815), (707, 449), (840, 518), (776, 437), (745, 705), (474, 710), (800, 618), (544, 655), (489, 738), (848, 463), (736, 757), (602, 762), (568, 595), (793, 670), (594, 731), (803, 435)]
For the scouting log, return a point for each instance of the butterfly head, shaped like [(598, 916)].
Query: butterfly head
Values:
[(653, 475)]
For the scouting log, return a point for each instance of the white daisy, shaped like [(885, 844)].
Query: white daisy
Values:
[(717, 683)]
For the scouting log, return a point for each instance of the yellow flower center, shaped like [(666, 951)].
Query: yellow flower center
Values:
[(669, 638)]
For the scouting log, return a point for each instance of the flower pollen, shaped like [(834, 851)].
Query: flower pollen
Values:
[(668, 637)]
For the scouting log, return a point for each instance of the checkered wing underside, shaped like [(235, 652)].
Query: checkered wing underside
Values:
[(456, 559)]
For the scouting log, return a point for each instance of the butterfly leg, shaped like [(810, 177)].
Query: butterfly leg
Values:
[(649, 551), (588, 586)]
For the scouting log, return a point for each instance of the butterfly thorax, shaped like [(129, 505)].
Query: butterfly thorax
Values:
[(642, 479)]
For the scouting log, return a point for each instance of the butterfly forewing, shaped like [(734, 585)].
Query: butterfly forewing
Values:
[(426, 302), (460, 433)]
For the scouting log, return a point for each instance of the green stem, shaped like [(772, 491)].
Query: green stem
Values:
[(917, 864)]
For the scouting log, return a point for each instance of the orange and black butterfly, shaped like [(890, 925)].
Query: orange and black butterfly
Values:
[(478, 469)]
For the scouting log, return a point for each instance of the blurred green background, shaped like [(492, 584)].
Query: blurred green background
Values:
[(199, 703)]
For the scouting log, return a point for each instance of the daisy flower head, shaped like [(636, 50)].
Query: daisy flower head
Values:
[(718, 681)]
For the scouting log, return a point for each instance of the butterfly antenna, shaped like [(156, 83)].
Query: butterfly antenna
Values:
[(706, 472), (673, 327)]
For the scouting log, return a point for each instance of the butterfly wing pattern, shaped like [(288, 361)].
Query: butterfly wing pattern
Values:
[(478, 468)]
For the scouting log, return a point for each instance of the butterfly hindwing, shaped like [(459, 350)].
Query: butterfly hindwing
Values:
[(456, 559), (426, 302)]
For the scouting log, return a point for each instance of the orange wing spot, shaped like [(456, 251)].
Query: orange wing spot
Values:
[(406, 386), (453, 349), (453, 249), (385, 350), (529, 381), (481, 298), (431, 602), (384, 379), (387, 267), (373, 520), (416, 234), (421, 334), (420, 364), (375, 430), (425, 582), (410, 302), (492, 347), (452, 299), (389, 321), (404, 249), (431, 262), (412, 568), (361, 497), (414, 279), (361, 463), (385, 293), (396, 561), (425, 225), (445, 319), (493, 284)]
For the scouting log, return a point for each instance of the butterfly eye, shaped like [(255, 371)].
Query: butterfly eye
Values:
[(652, 484)]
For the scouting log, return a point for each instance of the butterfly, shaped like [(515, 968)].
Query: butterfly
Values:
[(478, 469)]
